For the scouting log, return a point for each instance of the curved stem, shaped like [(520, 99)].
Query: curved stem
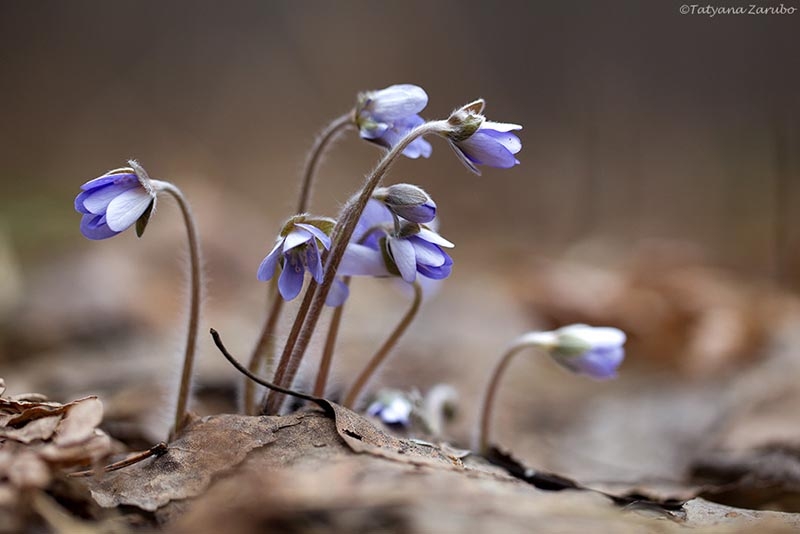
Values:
[(264, 348), (330, 345), (273, 399), (194, 305), (266, 337), (378, 358), (324, 139), (491, 392), (341, 237)]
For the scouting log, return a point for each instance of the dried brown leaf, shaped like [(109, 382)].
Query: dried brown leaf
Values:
[(38, 429), (89, 451), (362, 436), (207, 447), (27, 470), (80, 421)]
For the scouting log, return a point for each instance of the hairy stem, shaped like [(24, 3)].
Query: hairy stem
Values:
[(273, 399), (341, 237), (377, 359), (330, 345), (264, 348), (194, 306), (491, 393), (267, 335), (316, 153)]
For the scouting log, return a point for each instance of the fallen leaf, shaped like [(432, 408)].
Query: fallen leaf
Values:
[(80, 421)]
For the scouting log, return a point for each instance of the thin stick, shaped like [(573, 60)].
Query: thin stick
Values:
[(330, 345), (378, 358), (194, 306), (156, 450), (242, 369), (341, 237)]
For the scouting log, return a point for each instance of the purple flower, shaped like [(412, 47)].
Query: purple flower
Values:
[(115, 201), (383, 247), (392, 407), (384, 117), (297, 250), (477, 141), (593, 351)]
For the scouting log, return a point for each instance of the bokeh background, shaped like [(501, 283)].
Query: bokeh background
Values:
[(655, 145)]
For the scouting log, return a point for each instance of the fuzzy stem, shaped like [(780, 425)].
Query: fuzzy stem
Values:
[(491, 392), (341, 237), (316, 153), (330, 345), (324, 139), (264, 348), (378, 358), (273, 399), (194, 306)]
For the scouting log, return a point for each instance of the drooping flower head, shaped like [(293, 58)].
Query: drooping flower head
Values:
[(477, 141), (384, 117), (297, 250), (385, 245), (115, 201), (593, 351)]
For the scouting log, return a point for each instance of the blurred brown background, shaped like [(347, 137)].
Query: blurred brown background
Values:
[(639, 123)]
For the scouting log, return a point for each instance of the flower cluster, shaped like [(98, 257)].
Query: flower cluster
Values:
[(386, 231), (385, 245)]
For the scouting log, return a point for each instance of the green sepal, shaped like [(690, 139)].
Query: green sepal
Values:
[(141, 222), (391, 266), (570, 346)]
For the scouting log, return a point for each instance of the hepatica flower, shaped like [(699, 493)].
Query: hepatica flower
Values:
[(596, 352), (384, 117), (392, 407), (477, 141), (383, 245), (297, 250), (115, 201)]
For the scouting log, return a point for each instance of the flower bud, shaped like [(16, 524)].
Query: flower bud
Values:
[(466, 120), (408, 201)]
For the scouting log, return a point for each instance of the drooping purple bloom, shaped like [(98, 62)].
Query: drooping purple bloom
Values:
[(596, 352), (384, 117), (477, 141), (297, 250), (115, 201), (382, 248)]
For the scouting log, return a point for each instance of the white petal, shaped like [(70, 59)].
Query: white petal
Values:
[(500, 126), (126, 208), (605, 336), (404, 258), (296, 237), (433, 237)]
